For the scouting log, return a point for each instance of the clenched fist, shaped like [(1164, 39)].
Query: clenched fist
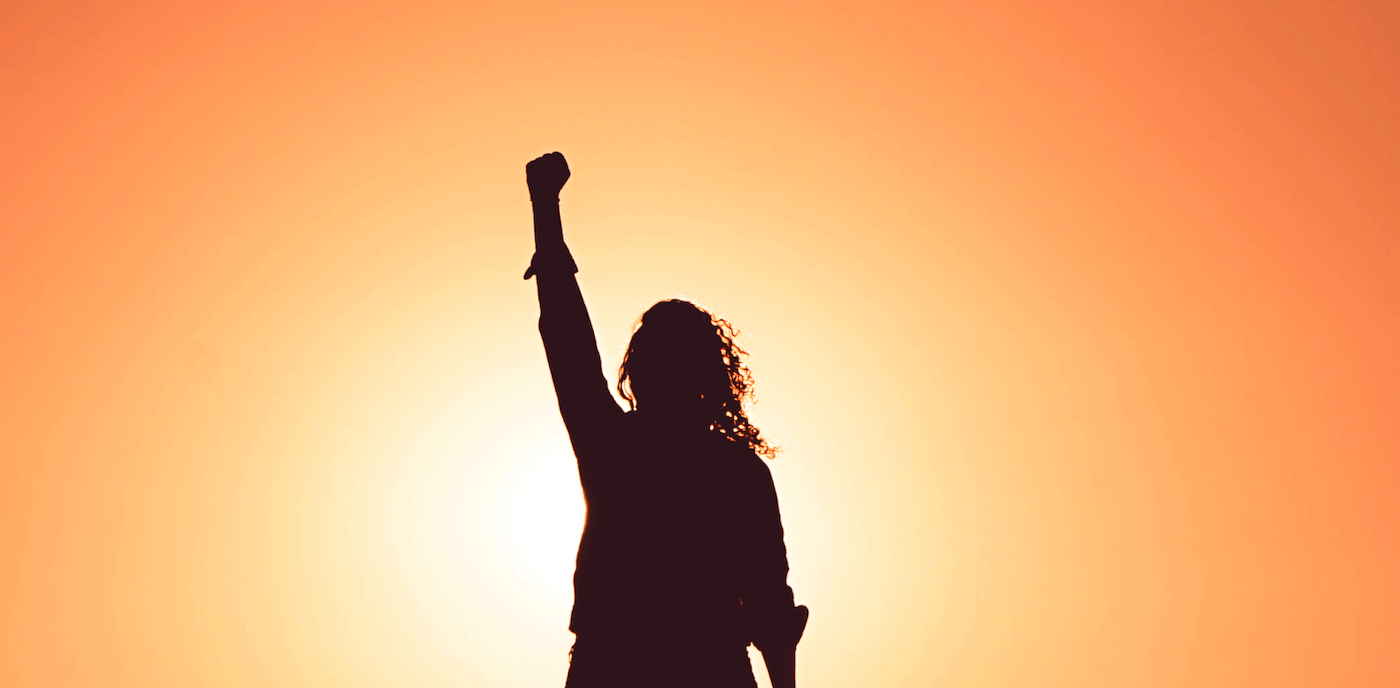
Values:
[(546, 175)]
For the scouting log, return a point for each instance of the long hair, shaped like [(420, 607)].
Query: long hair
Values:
[(678, 343)]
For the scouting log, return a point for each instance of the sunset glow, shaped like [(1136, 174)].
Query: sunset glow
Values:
[(1078, 323)]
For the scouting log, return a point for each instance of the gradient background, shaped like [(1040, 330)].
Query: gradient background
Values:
[(1078, 322)]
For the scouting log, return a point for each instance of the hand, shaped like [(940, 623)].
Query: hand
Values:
[(546, 175)]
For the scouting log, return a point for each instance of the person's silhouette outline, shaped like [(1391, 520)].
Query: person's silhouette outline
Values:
[(682, 563)]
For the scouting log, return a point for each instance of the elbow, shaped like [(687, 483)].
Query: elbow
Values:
[(782, 629), (548, 325)]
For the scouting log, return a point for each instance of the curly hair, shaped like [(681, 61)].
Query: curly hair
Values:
[(688, 341)]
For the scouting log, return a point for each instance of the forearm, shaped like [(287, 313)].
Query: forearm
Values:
[(569, 341), (782, 665), (549, 228), (551, 254)]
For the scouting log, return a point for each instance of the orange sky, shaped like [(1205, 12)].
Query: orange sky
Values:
[(1077, 320)]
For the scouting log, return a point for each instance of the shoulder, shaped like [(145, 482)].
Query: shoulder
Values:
[(745, 461)]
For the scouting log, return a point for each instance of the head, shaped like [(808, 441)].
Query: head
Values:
[(683, 362)]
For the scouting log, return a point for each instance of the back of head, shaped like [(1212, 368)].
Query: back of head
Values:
[(683, 363)]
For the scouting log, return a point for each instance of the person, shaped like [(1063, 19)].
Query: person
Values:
[(681, 564)]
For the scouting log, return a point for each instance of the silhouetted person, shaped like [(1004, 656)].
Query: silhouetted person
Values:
[(682, 563)]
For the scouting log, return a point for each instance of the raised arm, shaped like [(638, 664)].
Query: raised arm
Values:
[(589, 411)]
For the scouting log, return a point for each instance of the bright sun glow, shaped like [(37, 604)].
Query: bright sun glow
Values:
[(1077, 322), (507, 507), (540, 513)]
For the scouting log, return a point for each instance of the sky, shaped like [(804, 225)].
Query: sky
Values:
[(1077, 323)]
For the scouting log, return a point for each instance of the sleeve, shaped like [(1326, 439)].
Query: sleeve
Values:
[(767, 599), (590, 413)]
